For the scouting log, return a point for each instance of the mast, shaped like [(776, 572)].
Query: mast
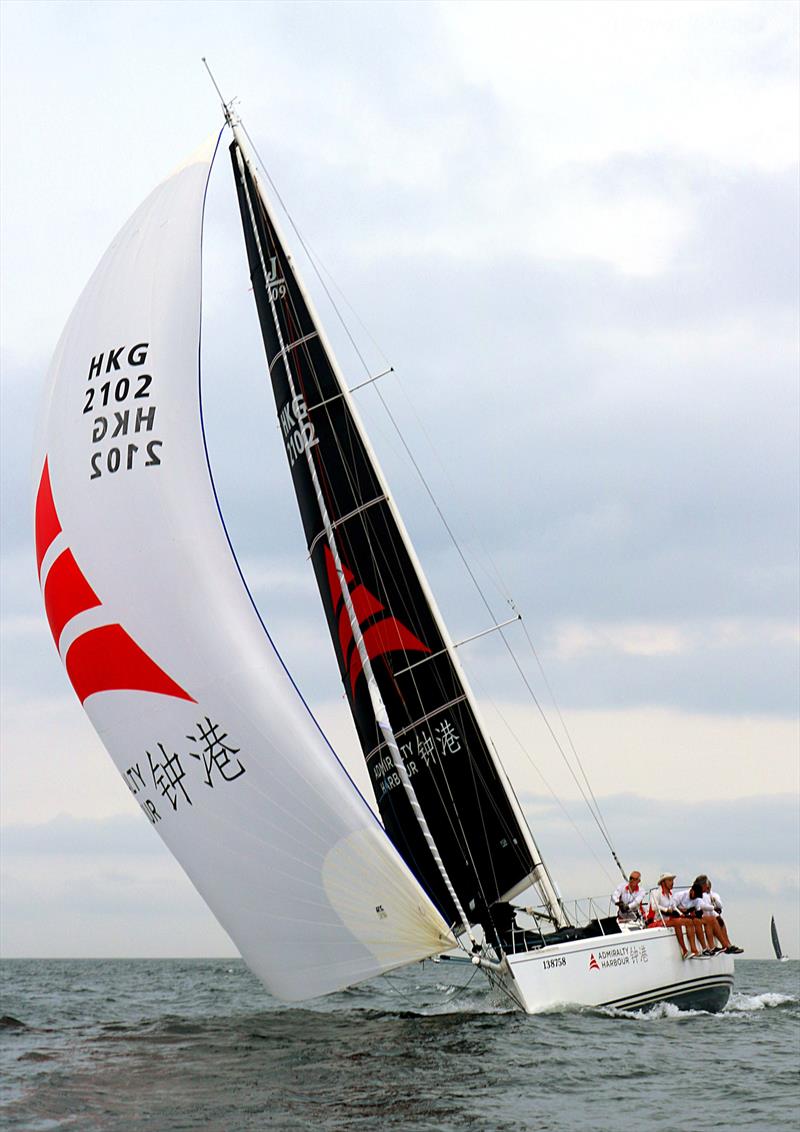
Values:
[(378, 706), (363, 525)]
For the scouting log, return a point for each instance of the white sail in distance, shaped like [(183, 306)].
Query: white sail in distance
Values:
[(165, 650)]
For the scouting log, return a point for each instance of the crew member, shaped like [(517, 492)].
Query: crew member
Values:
[(628, 897), (712, 907), (664, 911)]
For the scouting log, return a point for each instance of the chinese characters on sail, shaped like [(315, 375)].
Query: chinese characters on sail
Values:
[(425, 748), (207, 759)]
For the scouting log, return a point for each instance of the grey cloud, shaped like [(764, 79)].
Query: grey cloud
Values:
[(117, 873), (754, 831), (610, 480), (725, 835), (745, 676)]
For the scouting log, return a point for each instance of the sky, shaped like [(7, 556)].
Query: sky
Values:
[(572, 229)]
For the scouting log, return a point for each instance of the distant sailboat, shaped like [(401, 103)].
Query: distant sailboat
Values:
[(776, 943)]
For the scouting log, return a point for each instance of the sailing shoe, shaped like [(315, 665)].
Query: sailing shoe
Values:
[(734, 950), (707, 952)]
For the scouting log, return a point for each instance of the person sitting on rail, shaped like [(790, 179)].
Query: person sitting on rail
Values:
[(628, 897), (664, 911), (712, 906), (690, 904)]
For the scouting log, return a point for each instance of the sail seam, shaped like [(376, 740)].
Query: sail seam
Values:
[(343, 519), (417, 722), (286, 350)]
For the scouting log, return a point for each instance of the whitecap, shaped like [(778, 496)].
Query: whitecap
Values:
[(744, 1003), (654, 1013)]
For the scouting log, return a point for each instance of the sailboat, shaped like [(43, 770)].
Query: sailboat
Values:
[(776, 943), (177, 670)]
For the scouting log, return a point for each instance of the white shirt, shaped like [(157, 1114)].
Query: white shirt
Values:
[(711, 904), (627, 899), (666, 901), (687, 903)]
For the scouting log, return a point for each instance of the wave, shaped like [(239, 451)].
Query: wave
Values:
[(655, 1013), (738, 1004), (745, 1003)]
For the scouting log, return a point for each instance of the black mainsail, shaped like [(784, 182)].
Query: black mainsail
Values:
[(356, 541)]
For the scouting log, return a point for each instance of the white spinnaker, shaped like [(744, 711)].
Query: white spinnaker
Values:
[(162, 643)]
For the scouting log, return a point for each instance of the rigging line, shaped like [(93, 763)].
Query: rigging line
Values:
[(411, 604), (595, 812), (561, 750), (379, 709), (520, 819), (458, 644), (593, 806), (481, 798), (313, 258), (566, 730), (495, 577), (550, 789), (363, 362), (401, 994), (346, 328), (345, 463), (522, 746), (509, 649), (352, 389), (313, 261), (346, 467)]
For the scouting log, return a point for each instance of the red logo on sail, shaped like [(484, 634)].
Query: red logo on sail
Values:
[(384, 635), (104, 659), (593, 964)]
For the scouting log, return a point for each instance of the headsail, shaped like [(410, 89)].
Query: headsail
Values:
[(166, 651), (479, 830)]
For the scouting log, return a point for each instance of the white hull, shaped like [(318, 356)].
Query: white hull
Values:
[(632, 970)]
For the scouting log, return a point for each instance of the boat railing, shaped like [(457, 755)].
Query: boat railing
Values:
[(590, 911), (590, 916)]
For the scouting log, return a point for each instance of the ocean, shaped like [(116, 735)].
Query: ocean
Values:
[(169, 1045)]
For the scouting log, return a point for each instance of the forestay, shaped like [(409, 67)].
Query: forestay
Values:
[(165, 650)]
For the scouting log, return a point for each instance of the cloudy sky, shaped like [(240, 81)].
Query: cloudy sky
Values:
[(573, 230)]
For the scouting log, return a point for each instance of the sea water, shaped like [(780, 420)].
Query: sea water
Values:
[(199, 1044)]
